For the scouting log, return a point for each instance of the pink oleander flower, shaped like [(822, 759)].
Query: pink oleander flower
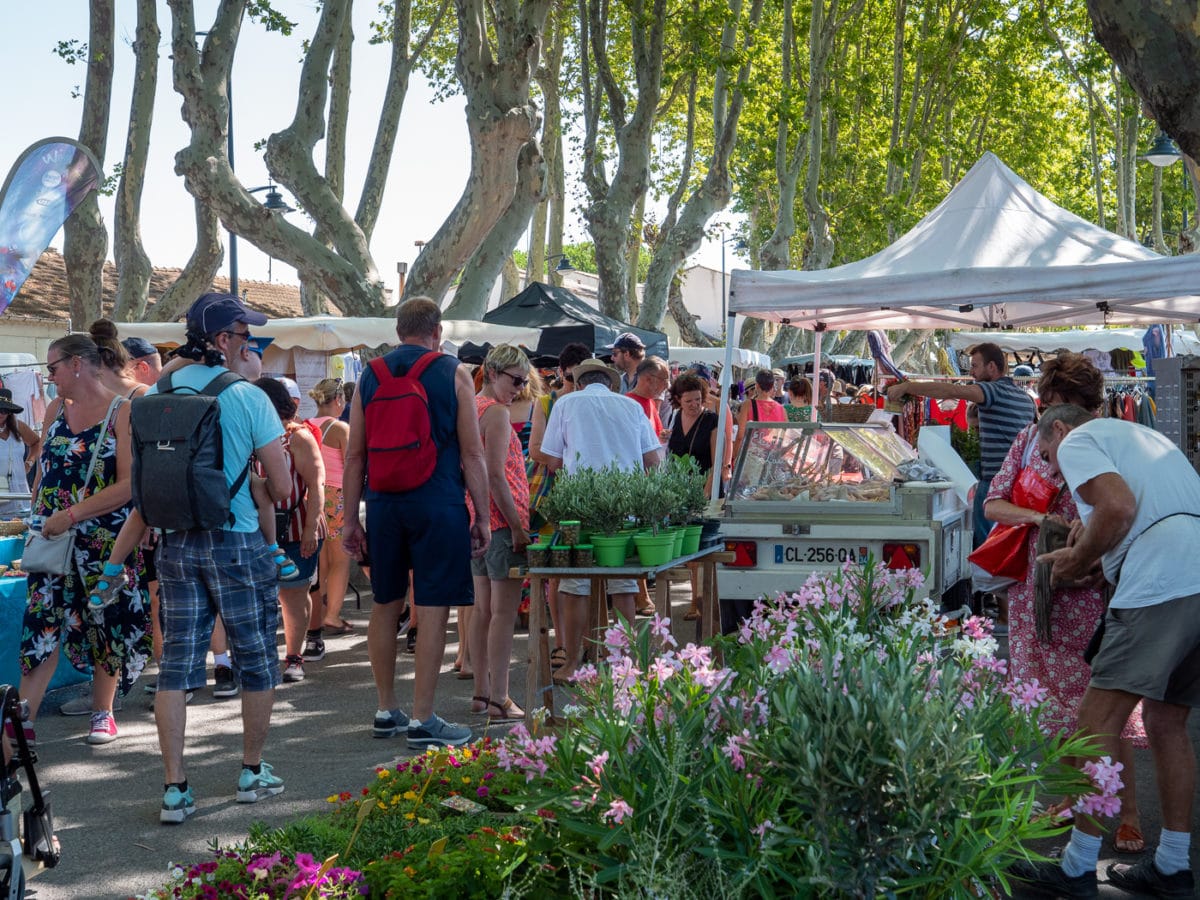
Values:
[(978, 627), (696, 656), (618, 810), (1026, 695), (623, 672), (778, 659), (597, 763), (616, 639), (733, 749), (660, 670), (660, 627), (585, 674)]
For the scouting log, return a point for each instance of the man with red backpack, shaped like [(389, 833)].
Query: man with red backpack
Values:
[(414, 442)]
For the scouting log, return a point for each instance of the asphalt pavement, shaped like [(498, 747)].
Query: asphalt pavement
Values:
[(106, 799)]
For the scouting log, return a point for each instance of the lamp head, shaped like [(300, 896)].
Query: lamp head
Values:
[(275, 202), (1162, 152)]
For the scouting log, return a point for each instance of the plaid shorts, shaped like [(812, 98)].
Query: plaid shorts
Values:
[(205, 573)]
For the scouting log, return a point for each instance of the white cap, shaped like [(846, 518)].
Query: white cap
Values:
[(293, 389)]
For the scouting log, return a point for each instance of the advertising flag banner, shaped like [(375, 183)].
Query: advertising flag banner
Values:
[(47, 183)]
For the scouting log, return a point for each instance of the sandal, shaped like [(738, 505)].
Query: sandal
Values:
[(342, 627), (693, 613), (285, 569), (558, 657), (509, 711), (486, 701), (1129, 839)]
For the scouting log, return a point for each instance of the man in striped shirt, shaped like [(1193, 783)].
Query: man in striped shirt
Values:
[(1004, 409)]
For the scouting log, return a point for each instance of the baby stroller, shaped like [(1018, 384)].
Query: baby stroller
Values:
[(34, 842)]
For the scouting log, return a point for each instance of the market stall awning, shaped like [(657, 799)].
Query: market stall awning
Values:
[(1075, 340), (993, 254), (747, 359), (337, 334)]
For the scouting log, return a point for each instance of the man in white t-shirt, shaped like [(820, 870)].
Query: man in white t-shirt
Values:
[(1139, 502), (594, 427)]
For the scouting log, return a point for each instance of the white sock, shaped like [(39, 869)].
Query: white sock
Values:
[(1172, 853), (221, 659), (1081, 853)]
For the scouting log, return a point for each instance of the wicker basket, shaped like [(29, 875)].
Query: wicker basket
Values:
[(848, 413), (11, 527)]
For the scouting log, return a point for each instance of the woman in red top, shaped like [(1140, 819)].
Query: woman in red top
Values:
[(505, 373)]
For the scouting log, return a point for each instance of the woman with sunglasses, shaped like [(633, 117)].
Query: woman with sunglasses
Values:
[(85, 418), (505, 373)]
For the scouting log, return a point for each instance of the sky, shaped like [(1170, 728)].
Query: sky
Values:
[(429, 166)]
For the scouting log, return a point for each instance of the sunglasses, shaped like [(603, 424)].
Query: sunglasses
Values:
[(517, 380), (242, 334), (51, 366)]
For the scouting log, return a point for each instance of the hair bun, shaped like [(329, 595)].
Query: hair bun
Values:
[(103, 329)]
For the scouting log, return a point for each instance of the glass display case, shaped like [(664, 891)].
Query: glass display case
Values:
[(819, 464)]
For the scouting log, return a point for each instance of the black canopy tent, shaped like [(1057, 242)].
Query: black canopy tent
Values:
[(565, 318)]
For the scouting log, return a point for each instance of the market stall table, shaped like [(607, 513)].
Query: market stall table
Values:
[(538, 678)]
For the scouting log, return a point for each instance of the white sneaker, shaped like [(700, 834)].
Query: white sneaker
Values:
[(293, 669)]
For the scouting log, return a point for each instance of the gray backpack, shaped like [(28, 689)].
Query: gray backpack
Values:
[(178, 461)]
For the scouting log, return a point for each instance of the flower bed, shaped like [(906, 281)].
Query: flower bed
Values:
[(845, 742)]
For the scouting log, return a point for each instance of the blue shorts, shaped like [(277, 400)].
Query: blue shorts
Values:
[(306, 566), (433, 541), (205, 573)]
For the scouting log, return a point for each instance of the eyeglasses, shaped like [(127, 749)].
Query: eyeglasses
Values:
[(51, 366), (517, 380)]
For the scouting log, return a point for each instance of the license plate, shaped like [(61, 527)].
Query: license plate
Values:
[(833, 554)]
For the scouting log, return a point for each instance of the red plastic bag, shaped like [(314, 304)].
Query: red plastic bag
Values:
[(1004, 553)]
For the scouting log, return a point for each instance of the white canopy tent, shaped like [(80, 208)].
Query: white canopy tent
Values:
[(1075, 340), (747, 359), (335, 334), (994, 254)]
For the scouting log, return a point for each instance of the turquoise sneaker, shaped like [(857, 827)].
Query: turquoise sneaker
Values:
[(177, 805), (252, 788)]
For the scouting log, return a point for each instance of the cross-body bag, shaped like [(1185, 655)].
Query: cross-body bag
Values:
[(54, 555)]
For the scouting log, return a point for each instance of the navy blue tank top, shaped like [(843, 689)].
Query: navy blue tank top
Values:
[(446, 485)]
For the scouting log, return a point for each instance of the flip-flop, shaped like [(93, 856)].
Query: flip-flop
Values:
[(342, 627), (1129, 839), (558, 658), (486, 701)]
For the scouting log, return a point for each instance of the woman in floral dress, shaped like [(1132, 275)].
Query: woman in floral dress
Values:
[(1058, 665), (116, 641)]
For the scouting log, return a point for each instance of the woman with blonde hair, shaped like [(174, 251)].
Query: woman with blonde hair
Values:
[(333, 566), (506, 372)]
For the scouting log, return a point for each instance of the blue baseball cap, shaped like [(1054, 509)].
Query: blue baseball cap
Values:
[(214, 313), (258, 344), (139, 348)]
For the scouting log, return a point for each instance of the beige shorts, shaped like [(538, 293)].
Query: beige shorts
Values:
[(499, 557), (583, 586)]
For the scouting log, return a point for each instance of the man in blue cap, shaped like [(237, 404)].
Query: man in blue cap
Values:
[(227, 571)]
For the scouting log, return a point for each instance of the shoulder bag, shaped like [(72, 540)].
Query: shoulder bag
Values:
[(53, 555)]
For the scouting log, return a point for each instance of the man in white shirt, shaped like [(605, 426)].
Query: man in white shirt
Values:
[(1139, 501), (593, 428)]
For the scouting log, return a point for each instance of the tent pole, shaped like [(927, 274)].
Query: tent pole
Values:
[(818, 333), (723, 408)]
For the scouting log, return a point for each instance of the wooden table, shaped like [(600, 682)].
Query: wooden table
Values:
[(538, 680)]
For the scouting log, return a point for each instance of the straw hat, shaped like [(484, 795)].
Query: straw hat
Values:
[(595, 365)]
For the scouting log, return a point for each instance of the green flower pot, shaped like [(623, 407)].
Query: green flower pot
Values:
[(609, 549), (654, 549), (691, 539), (677, 533)]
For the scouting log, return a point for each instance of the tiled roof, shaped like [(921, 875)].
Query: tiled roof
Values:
[(44, 294)]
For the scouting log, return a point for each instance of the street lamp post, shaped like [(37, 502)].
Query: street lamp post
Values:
[(1162, 153), (738, 244)]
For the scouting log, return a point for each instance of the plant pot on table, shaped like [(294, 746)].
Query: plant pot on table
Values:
[(655, 549), (691, 539), (610, 550)]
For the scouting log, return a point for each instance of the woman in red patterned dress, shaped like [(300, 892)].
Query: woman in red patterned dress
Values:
[(505, 373), (1058, 665)]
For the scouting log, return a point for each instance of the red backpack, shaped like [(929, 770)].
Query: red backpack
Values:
[(401, 454)]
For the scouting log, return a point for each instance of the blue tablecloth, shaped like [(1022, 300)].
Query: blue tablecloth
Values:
[(14, 593)]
